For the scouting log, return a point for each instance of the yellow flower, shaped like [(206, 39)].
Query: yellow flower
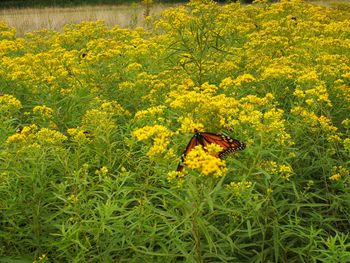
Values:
[(72, 198), (29, 129), (273, 168), (43, 257), (207, 164), (285, 171), (126, 85), (15, 138), (160, 144), (309, 101), (338, 172), (188, 125), (208, 88), (47, 136), (277, 71), (150, 111), (33, 138), (26, 134), (161, 138), (346, 123), (43, 110), (9, 103), (299, 93), (213, 149), (270, 166), (102, 171), (245, 78), (188, 83), (52, 125), (98, 119), (176, 176), (333, 138), (335, 177), (6, 31), (134, 67), (308, 76), (79, 135), (239, 187), (326, 124), (113, 107), (260, 1), (227, 82)]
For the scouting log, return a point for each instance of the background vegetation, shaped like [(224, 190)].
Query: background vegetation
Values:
[(55, 18), (69, 3), (94, 120)]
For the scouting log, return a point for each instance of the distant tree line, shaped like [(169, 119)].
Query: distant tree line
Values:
[(46, 3)]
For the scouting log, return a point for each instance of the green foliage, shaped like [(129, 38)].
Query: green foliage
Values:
[(93, 122)]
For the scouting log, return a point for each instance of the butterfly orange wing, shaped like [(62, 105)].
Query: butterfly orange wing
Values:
[(228, 144), (193, 143)]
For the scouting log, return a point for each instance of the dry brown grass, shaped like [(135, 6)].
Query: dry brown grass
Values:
[(329, 2), (53, 18)]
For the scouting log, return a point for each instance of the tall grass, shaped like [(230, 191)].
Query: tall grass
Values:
[(54, 18), (72, 3)]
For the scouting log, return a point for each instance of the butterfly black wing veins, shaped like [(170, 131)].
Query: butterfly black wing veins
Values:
[(228, 144)]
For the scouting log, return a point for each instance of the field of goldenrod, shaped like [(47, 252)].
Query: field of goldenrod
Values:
[(93, 122)]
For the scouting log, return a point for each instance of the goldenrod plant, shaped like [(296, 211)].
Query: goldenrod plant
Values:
[(94, 121)]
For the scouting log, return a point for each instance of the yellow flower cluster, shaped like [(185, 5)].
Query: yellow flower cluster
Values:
[(208, 88), (188, 125), (98, 119), (44, 111), (339, 172), (9, 104), (9, 45), (323, 122), (273, 168), (261, 70), (227, 83), (150, 112), (113, 107), (72, 198), (26, 134), (205, 161), (311, 89), (6, 32), (285, 171), (102, 171), (278, 71), (245, 78), (79, 135), (239, 187), (178, 177), (31, 134), (134, 67), (46, 136), (160, 134)]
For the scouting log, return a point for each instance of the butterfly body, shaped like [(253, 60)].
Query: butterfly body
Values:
[(227, 144)]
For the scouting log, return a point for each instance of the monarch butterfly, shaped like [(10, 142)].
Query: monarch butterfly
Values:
[(228, 144)]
